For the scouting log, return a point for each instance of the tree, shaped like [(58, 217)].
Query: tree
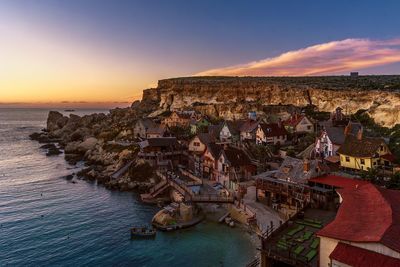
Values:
[(394, 182), (370, 175)]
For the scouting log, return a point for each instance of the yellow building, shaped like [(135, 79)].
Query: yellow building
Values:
[(363, 153)]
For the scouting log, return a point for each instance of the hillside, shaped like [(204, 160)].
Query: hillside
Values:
[(232, 97)]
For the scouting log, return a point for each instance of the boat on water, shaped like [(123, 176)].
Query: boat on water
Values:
[(143, 232), (69, 110)]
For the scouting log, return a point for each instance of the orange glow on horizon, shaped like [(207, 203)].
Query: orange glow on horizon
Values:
[(37, 68)]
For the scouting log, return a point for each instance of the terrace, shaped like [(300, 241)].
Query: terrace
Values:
[(295, 242)]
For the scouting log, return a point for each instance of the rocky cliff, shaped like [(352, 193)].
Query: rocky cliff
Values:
[(232, 97)]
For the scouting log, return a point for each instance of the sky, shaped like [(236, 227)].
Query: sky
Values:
[(95, 52)]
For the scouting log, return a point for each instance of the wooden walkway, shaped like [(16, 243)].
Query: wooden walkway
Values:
[(122, 170), (172, 180)]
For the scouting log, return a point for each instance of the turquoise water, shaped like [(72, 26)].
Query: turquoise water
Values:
[(46, 220)]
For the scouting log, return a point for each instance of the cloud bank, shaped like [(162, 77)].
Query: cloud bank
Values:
[(327, 58)]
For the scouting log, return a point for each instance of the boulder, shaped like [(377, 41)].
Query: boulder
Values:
[(72, 147), (40, 137), (73, 158), (56, 120), (88, 144), (52, 150)]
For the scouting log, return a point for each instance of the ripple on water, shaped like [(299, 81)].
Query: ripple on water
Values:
[(47, 221)]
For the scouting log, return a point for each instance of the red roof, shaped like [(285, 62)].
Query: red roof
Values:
[(389, 157), (338, 181), (273, 129), (359, 257), (294, 120), (367, 214), (249, 126)]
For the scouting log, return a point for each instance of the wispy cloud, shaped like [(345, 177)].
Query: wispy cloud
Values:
[(327, 58)]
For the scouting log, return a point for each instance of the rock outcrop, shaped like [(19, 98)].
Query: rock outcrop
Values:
[(95, 139), (233, 97), (56, 120)]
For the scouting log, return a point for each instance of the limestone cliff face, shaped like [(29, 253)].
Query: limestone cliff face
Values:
[(233, 97)]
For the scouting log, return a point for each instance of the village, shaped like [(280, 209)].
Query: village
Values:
[(315, 189)]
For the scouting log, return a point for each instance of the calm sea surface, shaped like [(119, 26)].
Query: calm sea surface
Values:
[(46, 220)]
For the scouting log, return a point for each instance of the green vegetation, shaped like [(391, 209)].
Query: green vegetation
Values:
[(142, 172), (394, 182), (299, 249), (312, 112), (311, 254), (375, 130), (260, 152), (314, 225), (181, 132), (365, 82), (305, 142), (315, 243), (295, 230)]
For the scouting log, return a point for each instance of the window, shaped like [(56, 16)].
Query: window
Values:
[(347, 159), (308, 127), (196, 143), (362, 162)]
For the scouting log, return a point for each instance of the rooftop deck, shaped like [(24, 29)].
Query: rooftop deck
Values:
[(295, 242)]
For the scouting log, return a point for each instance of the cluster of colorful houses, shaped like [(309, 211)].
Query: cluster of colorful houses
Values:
[(323, 177)]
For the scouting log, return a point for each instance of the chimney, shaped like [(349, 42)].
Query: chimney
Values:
[(306, 165), (360, 134), (347, 129), (339, 115)]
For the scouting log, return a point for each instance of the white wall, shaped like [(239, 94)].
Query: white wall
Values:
[(327, 245), (303, 126), (199, 148)]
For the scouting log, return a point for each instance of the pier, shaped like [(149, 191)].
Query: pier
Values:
[(172, 180)]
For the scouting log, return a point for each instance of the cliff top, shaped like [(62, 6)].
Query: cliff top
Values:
[(369, 82)]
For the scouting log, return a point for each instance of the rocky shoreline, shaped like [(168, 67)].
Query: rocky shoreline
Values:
[(91, 139)]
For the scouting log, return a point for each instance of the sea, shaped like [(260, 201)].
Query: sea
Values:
[(46, 220)]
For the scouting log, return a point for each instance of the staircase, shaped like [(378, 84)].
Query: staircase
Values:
[(155, 191), (117, 174)]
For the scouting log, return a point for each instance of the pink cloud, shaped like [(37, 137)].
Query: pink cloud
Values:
[(327, 58)]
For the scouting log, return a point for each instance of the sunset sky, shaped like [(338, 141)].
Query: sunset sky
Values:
[(108, 51)]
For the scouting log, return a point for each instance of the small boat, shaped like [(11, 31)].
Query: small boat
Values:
[(69, 110), (145, 232)]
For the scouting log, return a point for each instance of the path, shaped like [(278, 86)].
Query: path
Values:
[(264, 214)]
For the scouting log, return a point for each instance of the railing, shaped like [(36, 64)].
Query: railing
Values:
[(191, 176), (287, 256), (212, 198), (157, 186), (246, 208), (155, 154), (254, 263)]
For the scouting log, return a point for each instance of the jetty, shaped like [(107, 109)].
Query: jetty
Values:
[(173, 180)]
